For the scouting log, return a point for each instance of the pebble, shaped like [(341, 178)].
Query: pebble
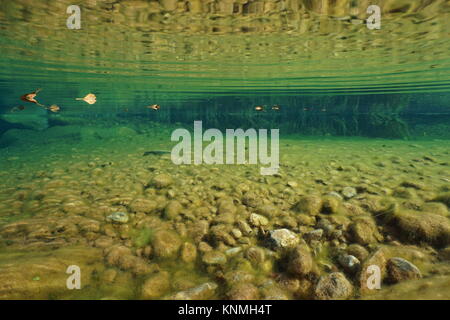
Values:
[(118, 217), (335, 194), (292, 184), (332, 287), (244, 227), (284, 238), (166, 243), (349, 192), (214, 257), (173, 209), (202, 292), (258, 220), (314, 235), (233, 251), (156, 285), (236, 233), (162, 181), (349, 263), (243, 291)]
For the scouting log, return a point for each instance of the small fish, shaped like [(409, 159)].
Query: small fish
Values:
[(18, 108), (155, 153), (54, 108), (276, 108), (90, 98), (259, 108), (30, 97), (154, 107)]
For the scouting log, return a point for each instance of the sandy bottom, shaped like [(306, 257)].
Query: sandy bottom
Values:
[(208, 231)]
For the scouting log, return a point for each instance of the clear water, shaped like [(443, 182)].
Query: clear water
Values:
[(360, 108)]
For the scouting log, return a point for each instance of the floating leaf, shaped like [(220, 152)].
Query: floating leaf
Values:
[(54, 108), (90, 98), (30, 97)]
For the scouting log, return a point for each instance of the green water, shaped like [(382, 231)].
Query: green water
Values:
[(364, 123)]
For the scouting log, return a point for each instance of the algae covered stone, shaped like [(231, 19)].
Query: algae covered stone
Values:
[(118, 217), (309, 205), (300, 261), (364, 231), (258, 220), (334, 286), (202, 292), (188, 252), (243, 291), (162, 181), (283, 238), (330, 204), (143, 205), (166, 243), (349, 263), (349, 192), (423, 227), (399, 269), (214, 258), (173, 209), (155, 286)]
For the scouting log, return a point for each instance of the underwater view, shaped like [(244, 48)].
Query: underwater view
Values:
[(224, 149)]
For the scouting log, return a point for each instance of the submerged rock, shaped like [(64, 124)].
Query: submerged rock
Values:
[(349, 192), (300, 261), (364, 231), (423, 227), (188, 252), (314, 235), (330, 205), (258, 220), (333, 287), (378, 259), (214, 258), (309, 205), (358, 251), (162, 181), (173, 209), (143, 205), (243, 291), (202, 292), (166, 244), (349, 263), (156, 286), (122, 257), (284, 238), (255, 255), (444, 198), (399, 269), (118, 217)]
